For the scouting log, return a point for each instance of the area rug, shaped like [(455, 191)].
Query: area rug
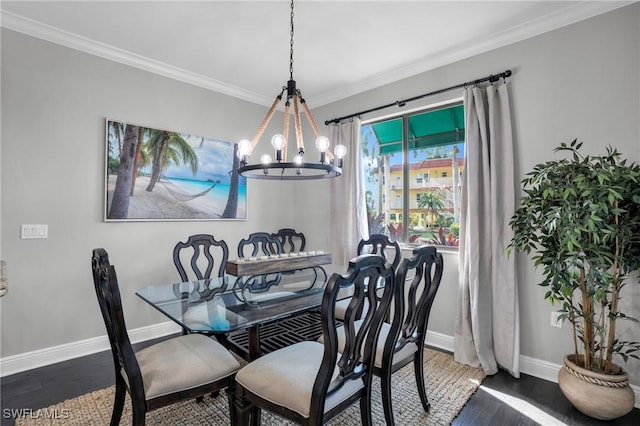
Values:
[(449, 386)]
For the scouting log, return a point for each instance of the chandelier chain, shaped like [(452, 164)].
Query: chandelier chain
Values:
[(291, 44)]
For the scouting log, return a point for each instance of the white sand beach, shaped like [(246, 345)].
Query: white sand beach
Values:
[(160, 204)]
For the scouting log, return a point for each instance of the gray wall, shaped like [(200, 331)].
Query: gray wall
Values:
[(582, 81), (54, 104)]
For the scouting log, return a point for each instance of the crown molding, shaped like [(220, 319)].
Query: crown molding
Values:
[(552, 21), (64, 38)]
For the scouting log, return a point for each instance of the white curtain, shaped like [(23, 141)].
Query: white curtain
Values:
[(487, 329), (347, 206)]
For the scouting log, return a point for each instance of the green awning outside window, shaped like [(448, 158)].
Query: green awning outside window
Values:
[(428, 129)]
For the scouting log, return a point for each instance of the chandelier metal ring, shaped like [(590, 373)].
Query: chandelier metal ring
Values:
[(291, 171)]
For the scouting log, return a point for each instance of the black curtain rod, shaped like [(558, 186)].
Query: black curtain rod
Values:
[(490, 78)]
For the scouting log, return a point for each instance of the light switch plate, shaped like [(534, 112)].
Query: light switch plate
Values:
[(33, 232)]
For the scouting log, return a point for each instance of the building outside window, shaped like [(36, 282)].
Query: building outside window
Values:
[(422, 154)]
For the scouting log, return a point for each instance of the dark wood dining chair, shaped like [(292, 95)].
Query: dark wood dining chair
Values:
[(402, 340), (202, 252), (259, 244), (291, 240), (312, 382), (200, 257), (255, 245), (380, 245), (180, 368)]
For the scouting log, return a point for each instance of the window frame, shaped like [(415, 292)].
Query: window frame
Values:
[(403, 218)]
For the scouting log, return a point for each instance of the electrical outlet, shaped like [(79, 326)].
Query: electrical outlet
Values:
[(555, 319)]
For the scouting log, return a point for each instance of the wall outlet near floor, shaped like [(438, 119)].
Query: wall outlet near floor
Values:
[(555, 319)]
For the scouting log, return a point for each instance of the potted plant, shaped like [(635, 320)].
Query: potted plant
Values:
[(580, 216)]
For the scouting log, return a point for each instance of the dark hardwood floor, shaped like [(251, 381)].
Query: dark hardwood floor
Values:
[(501, 399)]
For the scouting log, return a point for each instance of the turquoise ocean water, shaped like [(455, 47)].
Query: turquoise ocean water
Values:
[(219, 194)]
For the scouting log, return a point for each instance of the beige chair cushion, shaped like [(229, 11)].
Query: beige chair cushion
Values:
[(341, 308), (406, 350), (183, 362), (285, 377), (344, 299)]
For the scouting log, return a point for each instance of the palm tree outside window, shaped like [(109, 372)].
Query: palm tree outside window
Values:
[(422, 154)]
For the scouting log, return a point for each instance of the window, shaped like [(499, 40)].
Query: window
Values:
[(421, 153)]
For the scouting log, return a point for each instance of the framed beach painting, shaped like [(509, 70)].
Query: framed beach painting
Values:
[(164, 175)]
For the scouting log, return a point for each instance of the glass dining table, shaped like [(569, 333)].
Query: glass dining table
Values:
[(250, 314)]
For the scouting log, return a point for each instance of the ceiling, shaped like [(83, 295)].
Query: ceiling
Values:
[(341, 48)]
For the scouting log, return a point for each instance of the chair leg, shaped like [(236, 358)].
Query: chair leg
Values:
[(365, 410), (387, 404), (139, 407), (418, 367), (231, 396), (118, 403), (138, 415), (242, 411), (256, 416)]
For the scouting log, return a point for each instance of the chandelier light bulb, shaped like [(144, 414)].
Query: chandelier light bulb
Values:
[(244, 146), (322, 143), (340, 151), (265, 159), (298, 159), (277, 141)]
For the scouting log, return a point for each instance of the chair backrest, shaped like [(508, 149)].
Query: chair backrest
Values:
[(412, 304), (381, 245), (369, 276), (259, 243), (292, 241), (108, 294), (202, 252)]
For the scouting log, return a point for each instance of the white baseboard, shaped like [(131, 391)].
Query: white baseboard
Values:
[(39, 358), (47, 356), (439, 340), (539, 368)]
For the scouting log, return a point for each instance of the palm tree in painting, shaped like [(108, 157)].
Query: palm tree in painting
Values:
[(116, 130), (139, 158), (121, 194), (231, 210), (165, 148), (432, 202)]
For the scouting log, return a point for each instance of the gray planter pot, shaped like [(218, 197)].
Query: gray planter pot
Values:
[(601, 396)]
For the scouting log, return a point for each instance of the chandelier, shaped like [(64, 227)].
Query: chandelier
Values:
[(279, 168)]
